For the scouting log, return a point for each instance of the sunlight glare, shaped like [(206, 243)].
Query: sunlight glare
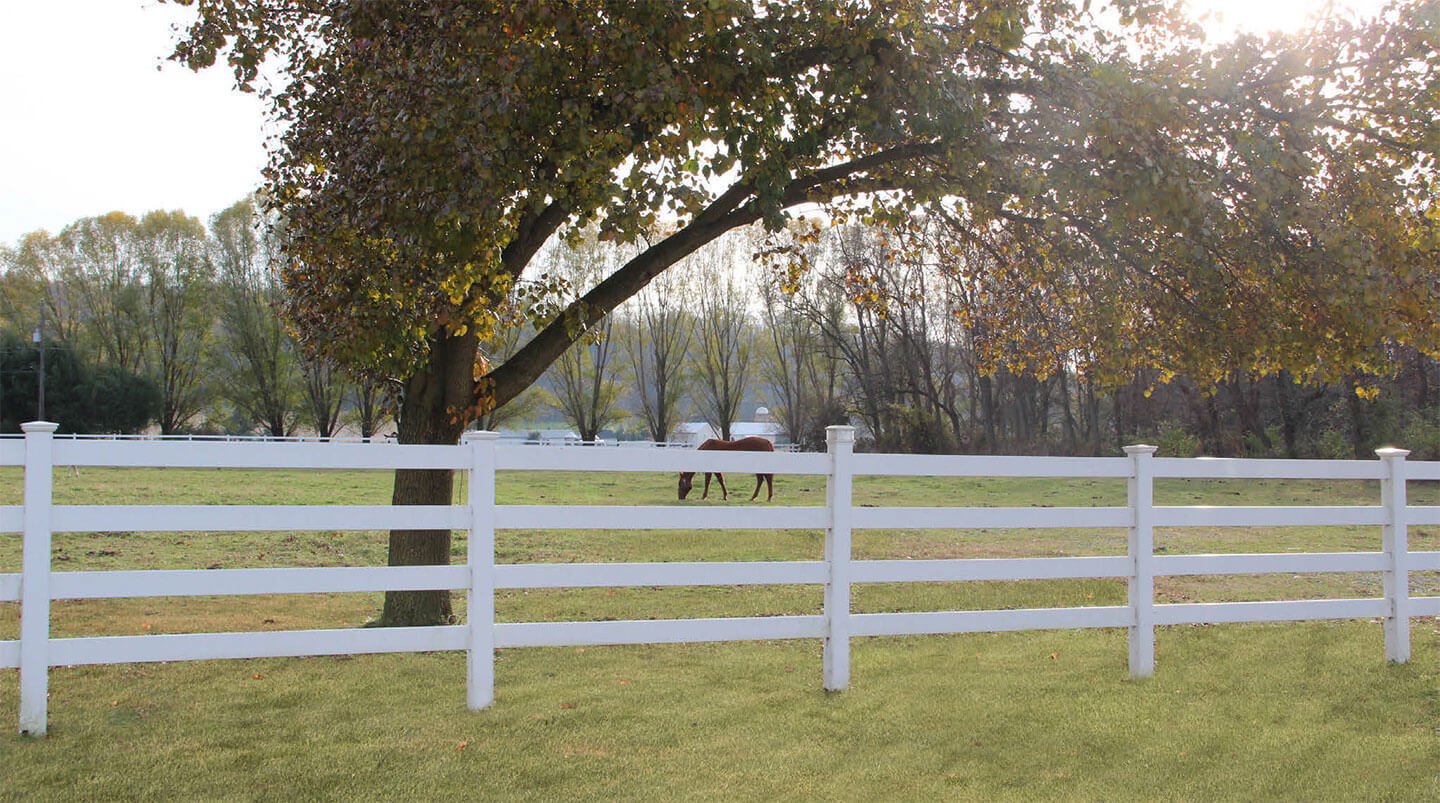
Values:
[(1228, 17)]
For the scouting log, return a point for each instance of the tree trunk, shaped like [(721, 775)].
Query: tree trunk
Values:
[(1289, 421), (434, 410), (1359, 425), (1068, 417), (419, 548), (987, 412)]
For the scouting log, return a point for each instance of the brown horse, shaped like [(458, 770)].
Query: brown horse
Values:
[(750, 444)]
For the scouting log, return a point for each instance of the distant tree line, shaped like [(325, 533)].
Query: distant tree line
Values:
[(164, 322), (854, 325)]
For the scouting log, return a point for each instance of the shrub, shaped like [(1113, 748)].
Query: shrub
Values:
[(1176, 442)]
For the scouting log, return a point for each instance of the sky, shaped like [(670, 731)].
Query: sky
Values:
[(90, 125), (94, 120)]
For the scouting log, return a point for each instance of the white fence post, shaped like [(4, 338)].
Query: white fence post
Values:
[(1140, 493), (1397, 575), (839, 488), (35, 577), (480, 554)]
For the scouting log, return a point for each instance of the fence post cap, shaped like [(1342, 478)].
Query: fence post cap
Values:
[(39, 426), (839, 434), (1140, 449), (1390, 451)]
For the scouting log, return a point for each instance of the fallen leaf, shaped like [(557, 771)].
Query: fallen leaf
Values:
[(114, 703), (258, 676), (145, 626), (789, 669), (1054, 656), (462, 745), (624, 683), (567, 705)]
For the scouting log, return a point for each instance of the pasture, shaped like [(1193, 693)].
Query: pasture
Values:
[(1303, 710)]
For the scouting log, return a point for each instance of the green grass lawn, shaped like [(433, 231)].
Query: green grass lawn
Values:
[(1284, 711)]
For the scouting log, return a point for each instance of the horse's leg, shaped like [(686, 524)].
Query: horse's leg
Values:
[(706, 495), (759, 480), (724, 494), (770, 484)]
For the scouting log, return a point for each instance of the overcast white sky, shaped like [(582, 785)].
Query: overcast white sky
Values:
[(90, 125)]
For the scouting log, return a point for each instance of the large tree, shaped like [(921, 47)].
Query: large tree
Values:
[(97, 261), (178, 283), (256, 351), (657, 336), (1252, 202), (725, 339), (586, 382)]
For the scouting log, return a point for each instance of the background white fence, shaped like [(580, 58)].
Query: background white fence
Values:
[(384, 439), (480, 456)]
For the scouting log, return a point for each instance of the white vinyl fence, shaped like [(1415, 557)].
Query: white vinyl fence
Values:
[(481, 457)]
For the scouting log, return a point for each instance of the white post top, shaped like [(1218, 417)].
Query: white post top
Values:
[(839, 434), (1141, 448), (39, 426), (479, 435), (1390, 451)]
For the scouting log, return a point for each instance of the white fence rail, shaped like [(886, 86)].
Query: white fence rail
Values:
[(480, 456)]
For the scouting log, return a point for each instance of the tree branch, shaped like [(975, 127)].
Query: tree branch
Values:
[(724, 213)]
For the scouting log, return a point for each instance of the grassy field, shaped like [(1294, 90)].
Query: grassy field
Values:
[(1289, 711)]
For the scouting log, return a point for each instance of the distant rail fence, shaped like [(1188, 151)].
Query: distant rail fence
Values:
[(480, 456), (377, 439)]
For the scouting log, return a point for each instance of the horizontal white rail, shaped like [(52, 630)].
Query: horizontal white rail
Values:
[(238, 582), (975, 518), (593, 575), (667, 460), (172, 454), (1425, 561), (1428, 470), (271, 644), (1420, 514), (1270, 563), (965, 570), (255, 518), (1196, 613), (1277, 516), (937, 622), (922, 465), (1255, 469), (657, 631)]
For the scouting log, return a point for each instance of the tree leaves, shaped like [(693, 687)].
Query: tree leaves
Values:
[(1194, 207)]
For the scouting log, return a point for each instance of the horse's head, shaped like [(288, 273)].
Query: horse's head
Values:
[(686, 477)]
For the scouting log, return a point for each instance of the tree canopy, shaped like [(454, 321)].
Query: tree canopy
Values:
[(1191, 206), (1196, 205)]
